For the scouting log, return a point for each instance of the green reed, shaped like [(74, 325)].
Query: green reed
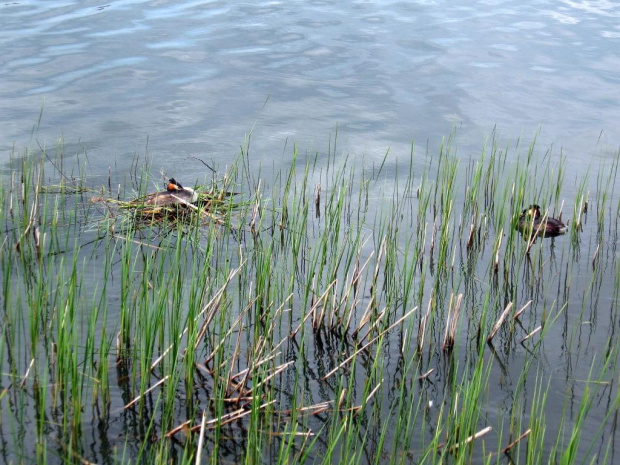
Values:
[(327, 313)]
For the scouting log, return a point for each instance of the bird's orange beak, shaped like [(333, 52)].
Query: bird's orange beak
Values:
[(172, 187)]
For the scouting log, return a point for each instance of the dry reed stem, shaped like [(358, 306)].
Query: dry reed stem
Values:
[(176, 429), (185, 202), (311, 409), (518, 314), (318, 319), (374, 325), (255, 211), (147, 391), (426, 375), (239, 413), (373, 392), (365, 346), (479, 434), (312, 310), (237, 400), (365, 317), (423, 323), (25, 377), (343, 395), (500, 321), (516, 441), (278, 370), (530, 335), (367, 314), (276, 314), (234, 356), (223, 339), (453, 320), (357, 272), (215, 299), (382, 248), (595, 256), (247, 412), (307, 434), (140, 243), (201, 438), (246, 374), (499, 246), (230, 417)]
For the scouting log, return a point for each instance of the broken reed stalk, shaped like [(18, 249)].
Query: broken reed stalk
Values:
[(233, 416), (176, 429), (365, 346), (378, 320), (375, 389), (248, 371), (499, 322), (214, 302), (518, 314), (223, 339), (530, 335), (277, 371), (375, 275), (426, 375), (499, 246), (423, 324), (234, 356), (165, 378), (454, 311), (258, 363), (479, 434), (353, 287), (595, 256), (312, 310), (372, 302), (202, 436), (25, 377), (311, 409), (319, 318), (516, 441)]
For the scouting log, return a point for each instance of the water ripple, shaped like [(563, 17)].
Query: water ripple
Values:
[(385, 70)]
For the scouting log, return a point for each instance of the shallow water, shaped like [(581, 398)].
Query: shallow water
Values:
[(176, 79)]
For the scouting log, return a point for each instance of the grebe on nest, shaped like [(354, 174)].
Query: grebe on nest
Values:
[(175, 194)]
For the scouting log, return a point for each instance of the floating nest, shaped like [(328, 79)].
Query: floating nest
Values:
[(177, 204)]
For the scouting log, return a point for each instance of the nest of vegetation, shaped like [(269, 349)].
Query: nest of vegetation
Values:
[(214, 203)]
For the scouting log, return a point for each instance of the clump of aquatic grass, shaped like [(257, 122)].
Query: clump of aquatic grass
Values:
[(280, 324)]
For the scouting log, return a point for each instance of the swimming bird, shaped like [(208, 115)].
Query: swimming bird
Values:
[(531, 222), (175, 194)]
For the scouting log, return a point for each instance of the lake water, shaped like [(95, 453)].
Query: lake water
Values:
[(194, 78)]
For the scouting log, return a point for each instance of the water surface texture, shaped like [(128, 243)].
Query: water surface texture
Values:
[(194, 76), (181, 79)]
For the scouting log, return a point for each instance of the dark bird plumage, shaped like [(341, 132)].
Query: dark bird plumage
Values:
[(532, 223)]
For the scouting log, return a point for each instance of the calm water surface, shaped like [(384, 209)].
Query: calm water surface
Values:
[(194, 78)]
